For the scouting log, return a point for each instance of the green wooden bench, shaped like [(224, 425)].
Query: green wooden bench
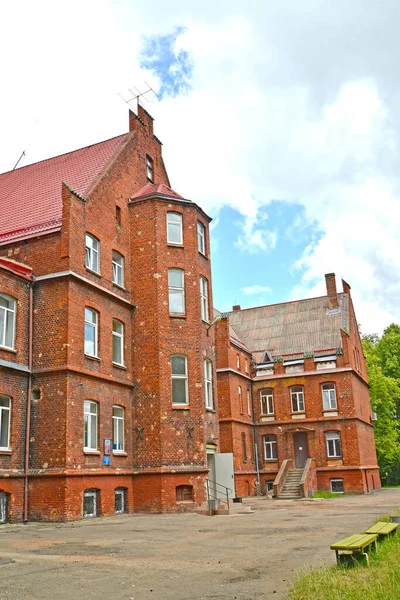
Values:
[(382, 528), (355, 546)]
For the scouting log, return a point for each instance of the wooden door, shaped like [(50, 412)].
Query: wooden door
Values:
[(300, 449)]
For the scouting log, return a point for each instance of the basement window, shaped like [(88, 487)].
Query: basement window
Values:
[(184, 493), (337, 486), (269, 486), (3, 507), (120, 503), (90, 504)]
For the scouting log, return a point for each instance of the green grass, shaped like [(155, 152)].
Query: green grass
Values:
[(379, 581), (326, 495)]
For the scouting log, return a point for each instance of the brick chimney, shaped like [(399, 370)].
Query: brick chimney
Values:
[(236, 307), (142, 118), (346, 287), (331, 291)]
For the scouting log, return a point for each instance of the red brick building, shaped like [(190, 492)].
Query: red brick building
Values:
[(107, 357), (299, 419)]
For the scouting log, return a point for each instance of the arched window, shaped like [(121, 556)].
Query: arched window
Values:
[(5, 419), (7, 321), (204, 298), (180, 390), (120, 500), (240, 399), (297, 398), (329, 396), (176, 291), (270, 447), (333, 444), (90, 425), (184, 493), (91, 506), (91, 332), (117, 342), (208, 383), (92, 260), (117, 268), (174, 228), (267, 402)]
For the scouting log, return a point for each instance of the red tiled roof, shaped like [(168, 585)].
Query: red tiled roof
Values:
[(16, 267), (160, 189), (30, 197)]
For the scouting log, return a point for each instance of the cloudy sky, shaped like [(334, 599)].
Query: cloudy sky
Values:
[(281, 119)]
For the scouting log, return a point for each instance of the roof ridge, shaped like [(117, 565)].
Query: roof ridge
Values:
[(278, 303)]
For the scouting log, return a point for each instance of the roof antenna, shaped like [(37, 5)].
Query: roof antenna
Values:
[(137, 94), (16, 164)]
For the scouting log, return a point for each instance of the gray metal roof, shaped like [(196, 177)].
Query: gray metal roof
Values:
[(291, 328)]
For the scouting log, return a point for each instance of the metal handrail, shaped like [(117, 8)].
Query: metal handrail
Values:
[(214, 497)]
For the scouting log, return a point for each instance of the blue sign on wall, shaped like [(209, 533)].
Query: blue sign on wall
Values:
[(106, 460)]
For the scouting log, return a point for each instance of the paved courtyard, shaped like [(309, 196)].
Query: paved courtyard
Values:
[(181, 557)]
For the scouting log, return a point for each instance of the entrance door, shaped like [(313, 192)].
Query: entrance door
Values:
[(300, 449), (225, 474)]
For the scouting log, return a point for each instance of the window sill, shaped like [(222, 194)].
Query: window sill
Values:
[(117, 366), (5, 451), (119, 453), (90, 357), (203, 255), (206, 322), (172, 245), (210, 410), (120, 287), (178, 316), (181, 407), (93, 272), (270, 460), (335, 458), (7, 349), (91, 452)]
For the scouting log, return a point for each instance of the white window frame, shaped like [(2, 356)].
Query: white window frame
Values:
[(269, 401), (120, 492), (248, 398), (121, 337), (149, 168), (95, 326), (329, 396), (272, 445), (208, 391), (179, 376), (204, 299), (174, 289), (334, 479), (5, 410), (88, 420), (91, 494), (172, 225), (297, 398), (8, 314), (117, 419), (92, 256), (201, 238), (333, 444), (118, 268)]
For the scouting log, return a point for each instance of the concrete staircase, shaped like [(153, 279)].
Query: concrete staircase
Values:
[(234, 509), (291, 487)]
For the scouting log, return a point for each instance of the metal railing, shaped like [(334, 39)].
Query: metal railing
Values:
[(213, 491)]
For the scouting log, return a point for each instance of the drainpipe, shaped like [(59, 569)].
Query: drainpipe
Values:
[(28, 405), (255, 449)]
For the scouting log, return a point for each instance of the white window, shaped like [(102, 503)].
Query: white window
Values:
[(201, 238), (5, 417), (91, 325), (7, 321), (333, 446), (329, 396), (149, 167), (248, 402), (337, 486), (118, 268), (90, 503), (267, 402), (204, 298), (90, 427), (176, 291), (270, 447), (208, 383), (120, 500), (297, 397), (92, 253), (174, 228), (180, 392), (118, 342), (118, 428)]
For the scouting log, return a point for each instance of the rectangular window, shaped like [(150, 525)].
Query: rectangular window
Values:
[(244, 448), (117, 268), (329, 396), (149, 167), (176, 291), (201, 238), (174, 228), (7, 321), (267, 402), (118, 342), (91, 325), (333, 446), (5, 418), (246, 365), (90, 503), (248, 402), (90, 427), (240, 399), (337, 486), (180, 392), (270, 447), (92, 253), (208, 383), (238, 361), (118, 428), (297, 397), (120, 500), (118, 216), (204, 298)]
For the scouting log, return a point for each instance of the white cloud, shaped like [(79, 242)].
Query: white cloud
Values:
[(256, 289)]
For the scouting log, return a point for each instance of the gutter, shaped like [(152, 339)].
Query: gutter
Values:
[(28, 405)]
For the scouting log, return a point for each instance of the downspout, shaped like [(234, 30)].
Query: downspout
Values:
[(28, 405), (255, 433)]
